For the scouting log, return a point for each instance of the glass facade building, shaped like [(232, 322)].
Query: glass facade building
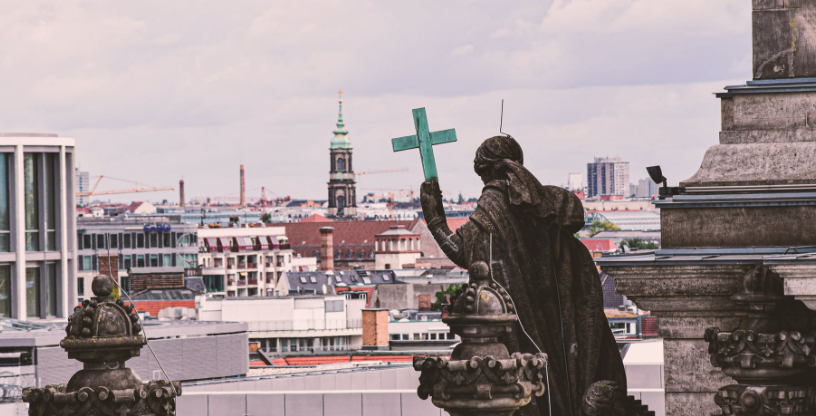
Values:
[(37, 224)]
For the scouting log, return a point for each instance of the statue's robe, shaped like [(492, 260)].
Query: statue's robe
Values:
[(531, 257)]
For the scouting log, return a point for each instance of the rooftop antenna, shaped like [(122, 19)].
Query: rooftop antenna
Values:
[(501, 121)]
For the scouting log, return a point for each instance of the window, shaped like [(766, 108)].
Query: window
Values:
[(128, 263), (100, 241), (154, 240), (80, 286), (5, 291), (5, 222), (303, 279), (433, 337), (86, 263), (315, 253), (338, 254), (167, 260), (50, 172), (87, 243), (349, 254), (167, 237), (312, 279), (127, 240), (114, 241), (32, 291), (386, 277), (361, 254), (451, 335), (140, 240), (154, 260), (214, 283), (51, 289), (416, 337), (31, 189), (395, 337), (371, 254), (140, 260)]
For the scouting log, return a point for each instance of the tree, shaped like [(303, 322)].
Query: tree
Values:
[(440, 297), (637, 243), (266, 217), (461, 199), (598, 226)]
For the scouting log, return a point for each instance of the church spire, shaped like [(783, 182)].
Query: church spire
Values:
[(340, 140)]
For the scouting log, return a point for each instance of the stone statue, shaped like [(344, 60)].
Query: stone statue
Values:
[(549, 274)]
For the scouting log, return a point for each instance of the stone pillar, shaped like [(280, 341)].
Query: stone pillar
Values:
[(326, 248), (375, 329), (751, 206)]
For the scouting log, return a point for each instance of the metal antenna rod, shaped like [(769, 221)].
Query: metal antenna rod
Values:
[(501, 120)]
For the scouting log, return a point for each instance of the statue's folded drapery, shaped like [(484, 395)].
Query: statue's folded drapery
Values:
[(537, 258)]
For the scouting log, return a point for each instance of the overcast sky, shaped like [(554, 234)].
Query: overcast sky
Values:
[(154, 91)]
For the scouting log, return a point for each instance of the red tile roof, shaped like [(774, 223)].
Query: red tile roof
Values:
[(453, 223), (304, 237), (600, 245), (316, 218), (154, 306)]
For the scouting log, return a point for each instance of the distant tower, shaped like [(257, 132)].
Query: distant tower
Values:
[(181, 193), (243, 188), (342, 187)]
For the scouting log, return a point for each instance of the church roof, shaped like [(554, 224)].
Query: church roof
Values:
[(340, 139)]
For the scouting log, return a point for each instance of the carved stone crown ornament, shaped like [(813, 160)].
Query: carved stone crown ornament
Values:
[(770, 354), (481, 377), (103, 334)]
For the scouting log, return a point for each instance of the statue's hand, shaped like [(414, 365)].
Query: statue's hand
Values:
[(431, 198)]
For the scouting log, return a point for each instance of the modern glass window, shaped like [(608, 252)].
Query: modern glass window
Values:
[(32, 291), (154, 240), (127, 240), (51, 289), (80, 286), (168, 239), (140, 240), (167, 260), (31, 189), (100, 241), (154, 260), (5, 222), (86, 241), (51, 177), (214, 283), (127, 262), (5, 291), (114, 241), (140, 260), (86, 263)]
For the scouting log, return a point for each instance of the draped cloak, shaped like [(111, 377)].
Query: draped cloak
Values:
[(554, 283)]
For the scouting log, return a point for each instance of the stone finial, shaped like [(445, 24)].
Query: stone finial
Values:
[(103, 333)]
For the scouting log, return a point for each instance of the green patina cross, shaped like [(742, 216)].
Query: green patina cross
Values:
[(424, 140)]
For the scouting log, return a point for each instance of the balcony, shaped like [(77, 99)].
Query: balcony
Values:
[(252, 265), (269, 264), (242, 266), (231, 266), (285, 246), (252, 281), (242, 282)]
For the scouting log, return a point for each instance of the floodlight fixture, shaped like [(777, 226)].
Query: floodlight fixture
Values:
[(657, 176)]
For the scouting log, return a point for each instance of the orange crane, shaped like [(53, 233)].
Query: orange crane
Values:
[(136, 189), (371, 172)]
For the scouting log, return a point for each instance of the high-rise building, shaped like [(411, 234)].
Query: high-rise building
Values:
[(646, 188), (342, 186), (575, 182), (607, 176), (37, 226), (82, 181)]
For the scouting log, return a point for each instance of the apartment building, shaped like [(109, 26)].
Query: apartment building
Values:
[(247, 260)]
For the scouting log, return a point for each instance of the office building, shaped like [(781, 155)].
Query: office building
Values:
[(607, 176), (646, 188), (82, 185), (37, 269), (145, 248)]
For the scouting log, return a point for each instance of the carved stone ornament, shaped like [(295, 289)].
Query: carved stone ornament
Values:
[(770, 360), (481, 377), (103, 334)]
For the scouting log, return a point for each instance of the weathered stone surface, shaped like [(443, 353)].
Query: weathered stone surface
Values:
[(781, 226), (778, 111), (756, 164), (784, 39), (688, 327), (688, 369), (691, 404), (799, 134)]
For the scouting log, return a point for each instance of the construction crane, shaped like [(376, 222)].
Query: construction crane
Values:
[(372, 172), (139, 187), (410, 193)]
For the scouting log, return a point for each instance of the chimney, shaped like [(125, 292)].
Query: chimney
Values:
[(326, 248), (109, 266), (375, 329), (181, 193), (243, 188)]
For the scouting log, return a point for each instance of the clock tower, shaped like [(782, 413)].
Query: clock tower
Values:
[(342, 186)]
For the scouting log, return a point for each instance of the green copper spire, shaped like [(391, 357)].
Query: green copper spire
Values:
[(340, 139)]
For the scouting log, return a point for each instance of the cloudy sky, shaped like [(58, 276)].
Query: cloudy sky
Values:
[(154, 91)]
